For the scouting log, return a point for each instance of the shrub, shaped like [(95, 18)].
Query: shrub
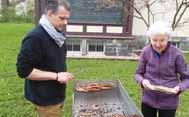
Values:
[(9, 15)]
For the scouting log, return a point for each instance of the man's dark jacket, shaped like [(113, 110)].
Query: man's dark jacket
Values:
[(40, 51)]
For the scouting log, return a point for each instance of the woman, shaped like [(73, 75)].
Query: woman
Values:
[(161, 65)]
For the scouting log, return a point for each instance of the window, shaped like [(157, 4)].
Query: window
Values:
[(96, 46), (73, 45), (175, 43)]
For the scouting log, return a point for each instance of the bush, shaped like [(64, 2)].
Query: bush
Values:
[(8, 15)]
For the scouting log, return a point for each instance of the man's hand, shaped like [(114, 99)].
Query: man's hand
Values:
[(147, 85), (64, 77)]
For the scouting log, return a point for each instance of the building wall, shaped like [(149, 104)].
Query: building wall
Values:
[(81, 41), (117, 47), (100, 47)]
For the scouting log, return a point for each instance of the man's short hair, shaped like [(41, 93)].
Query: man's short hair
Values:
[(54, 4)]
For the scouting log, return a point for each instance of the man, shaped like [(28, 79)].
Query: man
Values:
[(42, 61)]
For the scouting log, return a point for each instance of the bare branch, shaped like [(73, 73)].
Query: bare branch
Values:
[(180, 17), (176, 14), (153, 2), (147, 5), (177, 4), (153, 16), (148, 11), (184, 22), (137, 17), (139, 13)]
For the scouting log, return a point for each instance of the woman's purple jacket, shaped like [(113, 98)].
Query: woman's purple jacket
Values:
[(168, 69)]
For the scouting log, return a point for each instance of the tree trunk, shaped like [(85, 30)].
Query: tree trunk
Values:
[(4, 4)]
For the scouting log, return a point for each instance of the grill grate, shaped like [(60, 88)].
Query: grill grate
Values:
[(104, 103)]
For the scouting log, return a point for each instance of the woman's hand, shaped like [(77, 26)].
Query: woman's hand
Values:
[(147, 85), (176, 90)]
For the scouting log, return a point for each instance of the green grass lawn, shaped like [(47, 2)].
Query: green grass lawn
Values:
[(12, 101)]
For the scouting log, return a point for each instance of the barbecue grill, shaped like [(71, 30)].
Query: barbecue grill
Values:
[(114, 102)]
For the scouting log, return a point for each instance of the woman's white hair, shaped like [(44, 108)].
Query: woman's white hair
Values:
[(160, 27)]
